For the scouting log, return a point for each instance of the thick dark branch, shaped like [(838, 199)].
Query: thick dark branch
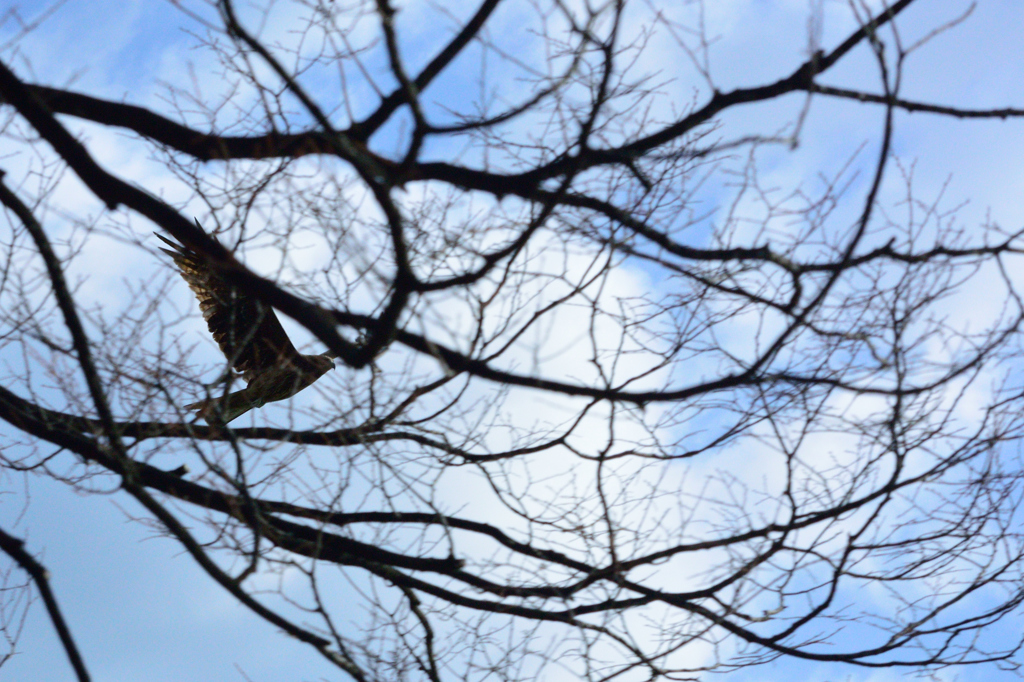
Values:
[(15, 549), (293, 537), (197, 144), (911, 106), (358, 435), (300, 539)]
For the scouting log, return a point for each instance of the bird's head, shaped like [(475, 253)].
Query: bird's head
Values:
[(330, 355), (322, 363)]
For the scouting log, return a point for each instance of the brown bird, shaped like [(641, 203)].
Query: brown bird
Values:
[(250, 336)]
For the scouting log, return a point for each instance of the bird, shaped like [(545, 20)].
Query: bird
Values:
[(250, 336)]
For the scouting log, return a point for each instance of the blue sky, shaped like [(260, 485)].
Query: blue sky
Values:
[(138, 606)]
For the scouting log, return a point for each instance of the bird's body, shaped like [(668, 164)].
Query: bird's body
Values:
[(279, 383), (252, 339)]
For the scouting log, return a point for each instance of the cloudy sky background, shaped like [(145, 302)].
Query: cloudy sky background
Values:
[(138, 606)]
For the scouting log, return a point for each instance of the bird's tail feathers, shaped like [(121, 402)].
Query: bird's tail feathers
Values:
[(222, 409)]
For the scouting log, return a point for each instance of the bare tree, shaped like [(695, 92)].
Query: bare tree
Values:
[(608, 406)]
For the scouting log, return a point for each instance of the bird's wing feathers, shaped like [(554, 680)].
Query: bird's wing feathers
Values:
[(247, 331)]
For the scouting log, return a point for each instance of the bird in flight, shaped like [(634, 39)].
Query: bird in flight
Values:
[(250, 336)]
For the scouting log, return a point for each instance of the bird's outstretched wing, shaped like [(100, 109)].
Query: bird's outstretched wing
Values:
[(247, 331)]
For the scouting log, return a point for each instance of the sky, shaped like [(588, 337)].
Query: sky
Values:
[(138, 606)]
